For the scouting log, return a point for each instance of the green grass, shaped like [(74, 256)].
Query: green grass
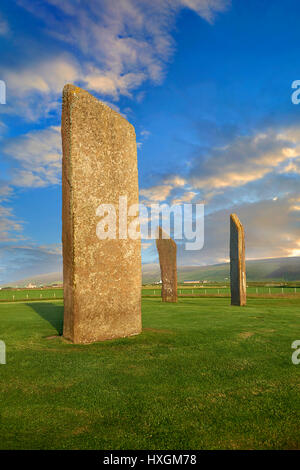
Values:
[(211, 291), (31, 294), (14, 295), (202, 375)]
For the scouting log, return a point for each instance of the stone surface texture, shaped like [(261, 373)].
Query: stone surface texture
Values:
[(237, 262), (102, 278), (167, 251)]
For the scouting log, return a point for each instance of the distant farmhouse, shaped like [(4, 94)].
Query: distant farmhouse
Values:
[(31, 286)]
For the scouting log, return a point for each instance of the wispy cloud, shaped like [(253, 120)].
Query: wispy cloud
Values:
[(4, 28), (35, 161), (240, 166), (206, 9), (256, 176), (10, 228), (173, 185), (271, 230), (124, 43), (47, 76), (157, 193), (35, 88), (35, 158), (185, 197), (244, 159)]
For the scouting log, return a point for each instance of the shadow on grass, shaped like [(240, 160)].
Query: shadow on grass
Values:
[(50, 312)]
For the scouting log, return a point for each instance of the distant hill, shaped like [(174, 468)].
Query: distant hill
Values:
[(44, 279), (274, 269)]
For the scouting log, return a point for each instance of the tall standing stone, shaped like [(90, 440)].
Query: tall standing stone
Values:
[(167, 249), (102, 277), (237, 262)]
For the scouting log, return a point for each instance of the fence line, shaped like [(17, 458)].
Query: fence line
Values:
[(50, 294)]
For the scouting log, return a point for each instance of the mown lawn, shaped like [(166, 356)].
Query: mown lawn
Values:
[(12, 295), (202, 375)]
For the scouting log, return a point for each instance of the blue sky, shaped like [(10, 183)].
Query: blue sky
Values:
[(207, 85)]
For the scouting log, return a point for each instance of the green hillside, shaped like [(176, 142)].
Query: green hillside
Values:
[(275, 269)]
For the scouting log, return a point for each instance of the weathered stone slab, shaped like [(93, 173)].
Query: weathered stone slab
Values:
[(237, 262), (102, 277), (167, 249)]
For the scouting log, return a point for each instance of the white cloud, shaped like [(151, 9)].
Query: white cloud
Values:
[(37, 158), (244, 159), (156, 193), (186, 197), (124, 43), (160, 192), (48, 76), (175, 180), (256, 176), (206, 9), (5, 190), (271, 230), (145, 134), (34, 162), (249, 168), (35, 89), (111, 84), (10, 227), (116, 47)]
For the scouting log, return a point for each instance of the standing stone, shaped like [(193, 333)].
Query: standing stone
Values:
[(237, 262), (167, 248), (102, 277)]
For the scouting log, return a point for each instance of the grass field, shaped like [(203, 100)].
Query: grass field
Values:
[(202, 375), (212, 291), (14, 295), (31, 294)]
